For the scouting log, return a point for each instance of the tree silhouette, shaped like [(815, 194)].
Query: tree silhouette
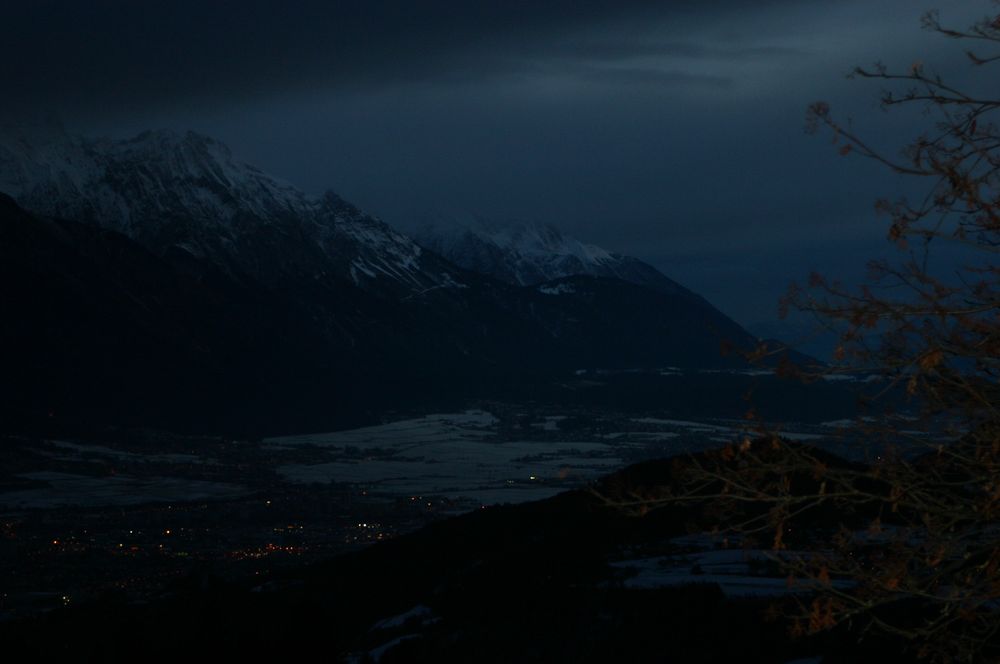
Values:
[(905, 538), (934, 479)]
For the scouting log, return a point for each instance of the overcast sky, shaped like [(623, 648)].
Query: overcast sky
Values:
[(669, 130)]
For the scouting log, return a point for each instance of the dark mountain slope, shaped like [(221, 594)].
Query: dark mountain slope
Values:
[(159, 281), (97, 327)]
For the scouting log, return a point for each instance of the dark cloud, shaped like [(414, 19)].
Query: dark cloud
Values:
[(648, 77), (129, 54), (628, 49)]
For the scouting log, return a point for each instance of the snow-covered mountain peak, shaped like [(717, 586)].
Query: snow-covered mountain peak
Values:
[(537, 239), (533, 253), (185, 190)]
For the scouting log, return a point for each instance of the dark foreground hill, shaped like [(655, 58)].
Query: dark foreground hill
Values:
[(529, 583)]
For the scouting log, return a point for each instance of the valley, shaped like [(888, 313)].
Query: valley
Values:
[(138, 513)]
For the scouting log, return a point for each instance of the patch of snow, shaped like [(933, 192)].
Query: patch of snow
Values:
[(558, 289), (730, 569), (421, 613), (686, 424), (359, 264), (793, 435), (377, 654), (457, 455), (839, 378)]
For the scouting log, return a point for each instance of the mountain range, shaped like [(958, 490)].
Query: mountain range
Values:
[(528, 254), (185, 193), (159, 280)]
